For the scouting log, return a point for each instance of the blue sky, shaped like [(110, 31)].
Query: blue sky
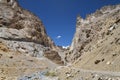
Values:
[(59, 16)]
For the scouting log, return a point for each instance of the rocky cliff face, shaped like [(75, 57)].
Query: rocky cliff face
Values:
[(21, 31), (93, 30), (95, 50), (24, 43), (20, 25)]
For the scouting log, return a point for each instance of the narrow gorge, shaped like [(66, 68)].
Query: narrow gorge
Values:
[(28, 53)]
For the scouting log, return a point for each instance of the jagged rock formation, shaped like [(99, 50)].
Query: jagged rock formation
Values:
[(20, 25), (93, 30), (95, 51), (21, 31), (22, 38)]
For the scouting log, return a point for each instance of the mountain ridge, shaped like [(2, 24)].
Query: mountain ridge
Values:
[(91, 22)]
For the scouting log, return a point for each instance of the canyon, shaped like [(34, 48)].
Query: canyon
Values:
[(28, 53)]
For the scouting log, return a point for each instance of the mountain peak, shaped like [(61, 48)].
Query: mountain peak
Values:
[(12, 3)]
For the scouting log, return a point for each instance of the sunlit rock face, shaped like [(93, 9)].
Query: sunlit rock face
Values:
[(23, 43), (95, 50), (19, 26), (22, 23), (92, 30)]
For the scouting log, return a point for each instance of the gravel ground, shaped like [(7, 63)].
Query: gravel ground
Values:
[(37, 76)]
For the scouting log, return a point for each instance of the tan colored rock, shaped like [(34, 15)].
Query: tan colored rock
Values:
[(93, 30), (14, 20), (23, 41), (21, 30), (54, 56)]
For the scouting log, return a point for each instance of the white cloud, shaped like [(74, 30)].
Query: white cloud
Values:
[(58, 37), (65, 47)]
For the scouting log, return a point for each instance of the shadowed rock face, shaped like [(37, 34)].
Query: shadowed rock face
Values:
[(54, 56)]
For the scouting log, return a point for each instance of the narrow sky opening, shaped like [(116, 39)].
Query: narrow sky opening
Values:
[(59, 16)]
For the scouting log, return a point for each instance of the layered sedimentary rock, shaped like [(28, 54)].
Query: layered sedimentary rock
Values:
[(23, 42), (20, 30)]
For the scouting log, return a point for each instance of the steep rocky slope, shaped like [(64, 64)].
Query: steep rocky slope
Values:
[(25, 47), (93, 30), (21, 31), (95, 51), (20, 25)]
